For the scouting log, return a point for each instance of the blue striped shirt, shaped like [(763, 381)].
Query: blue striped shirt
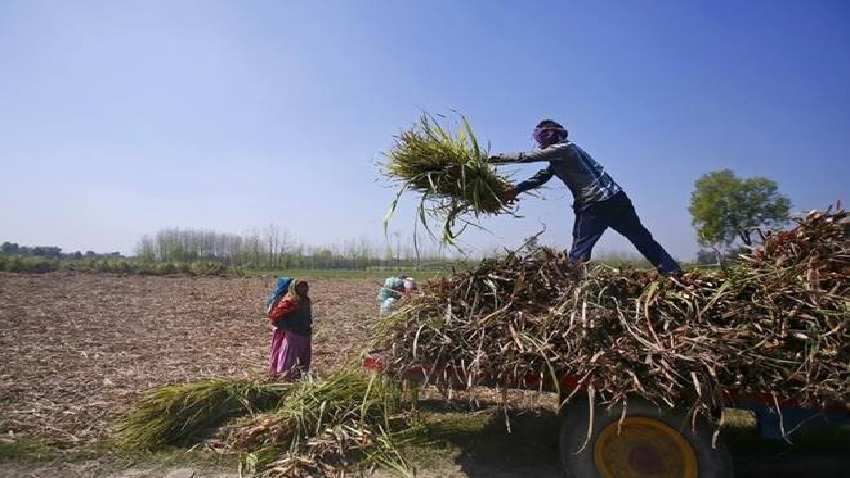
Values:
[(585, 178)]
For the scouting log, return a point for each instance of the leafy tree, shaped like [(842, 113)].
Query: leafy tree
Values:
[(726, 208), (9, 248)]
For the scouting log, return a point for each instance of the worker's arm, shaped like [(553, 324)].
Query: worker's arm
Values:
[(556, 152), (535, 181)]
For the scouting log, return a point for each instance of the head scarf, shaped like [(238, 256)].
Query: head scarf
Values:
[(280, 288), (549, 132), (293, 290)]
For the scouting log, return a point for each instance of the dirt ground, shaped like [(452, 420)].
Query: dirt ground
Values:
[(77, 349)]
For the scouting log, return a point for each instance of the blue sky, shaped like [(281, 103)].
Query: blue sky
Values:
[(120, 118)]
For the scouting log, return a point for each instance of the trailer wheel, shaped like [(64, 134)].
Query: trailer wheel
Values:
[(649, 442)]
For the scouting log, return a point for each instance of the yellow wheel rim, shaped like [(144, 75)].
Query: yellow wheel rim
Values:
[(644, 448)]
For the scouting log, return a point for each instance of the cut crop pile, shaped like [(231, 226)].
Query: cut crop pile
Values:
[(314, 427), (450, 171), (777, 322), (180, 414), (347, 421)]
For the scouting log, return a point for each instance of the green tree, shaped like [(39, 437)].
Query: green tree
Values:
[(726, 208), (9, 248)]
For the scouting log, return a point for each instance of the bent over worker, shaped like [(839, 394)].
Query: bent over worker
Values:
[(598, 201)]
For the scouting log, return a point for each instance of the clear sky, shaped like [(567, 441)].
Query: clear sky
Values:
[(120, 118)]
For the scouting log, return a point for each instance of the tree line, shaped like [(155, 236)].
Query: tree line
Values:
[(276, 248), (51, 252)]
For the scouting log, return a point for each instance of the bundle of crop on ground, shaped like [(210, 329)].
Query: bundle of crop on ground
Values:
[(451, 173), (327, 427), (314, 427), (181, 414), (776, 322)]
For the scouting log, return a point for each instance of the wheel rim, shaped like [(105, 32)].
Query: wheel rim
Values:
[(644, 447)]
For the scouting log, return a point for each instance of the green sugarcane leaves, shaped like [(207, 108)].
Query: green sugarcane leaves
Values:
[(451, 173)]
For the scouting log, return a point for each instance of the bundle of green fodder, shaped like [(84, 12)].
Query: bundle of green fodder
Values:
[(451, 173), (776, 322), (182, 414), (325, 427), (314, 427)]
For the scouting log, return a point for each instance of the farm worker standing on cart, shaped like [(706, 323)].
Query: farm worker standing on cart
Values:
[(598, 201), (292, 319)]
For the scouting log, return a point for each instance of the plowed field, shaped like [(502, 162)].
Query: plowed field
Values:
[(76, 349)]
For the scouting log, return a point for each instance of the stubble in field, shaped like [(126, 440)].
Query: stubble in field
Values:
[(75, 350)]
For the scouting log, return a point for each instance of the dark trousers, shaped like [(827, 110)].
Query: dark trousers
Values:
[(619, 214)]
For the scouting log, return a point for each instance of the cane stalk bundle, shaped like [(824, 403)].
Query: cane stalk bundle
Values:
[(180, 414), (451, 173), (346, 421), (777, 322)]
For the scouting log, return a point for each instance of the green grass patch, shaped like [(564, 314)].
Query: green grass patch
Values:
[(27, 450)]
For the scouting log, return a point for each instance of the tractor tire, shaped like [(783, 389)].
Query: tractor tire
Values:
[(650, 442)]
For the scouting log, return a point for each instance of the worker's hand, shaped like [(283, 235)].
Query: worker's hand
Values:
[(509, 195)]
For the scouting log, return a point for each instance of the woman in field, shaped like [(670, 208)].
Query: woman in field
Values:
[(292, 320), (395, 289)]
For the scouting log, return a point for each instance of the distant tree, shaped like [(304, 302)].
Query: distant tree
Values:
[(9, 248), (47, 251), (146, 249), (726, 208)]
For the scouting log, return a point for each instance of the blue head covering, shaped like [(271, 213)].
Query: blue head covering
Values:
[(280, 288)]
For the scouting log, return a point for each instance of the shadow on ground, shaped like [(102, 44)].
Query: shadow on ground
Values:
[(814, 452), (483, 447)]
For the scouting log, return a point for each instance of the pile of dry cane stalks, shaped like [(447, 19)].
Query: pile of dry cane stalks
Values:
[(777, 322)]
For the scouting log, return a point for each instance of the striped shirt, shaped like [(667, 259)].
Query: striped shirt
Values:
[(585, 178)]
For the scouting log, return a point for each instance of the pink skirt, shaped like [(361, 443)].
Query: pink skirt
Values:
[(289, 354)]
